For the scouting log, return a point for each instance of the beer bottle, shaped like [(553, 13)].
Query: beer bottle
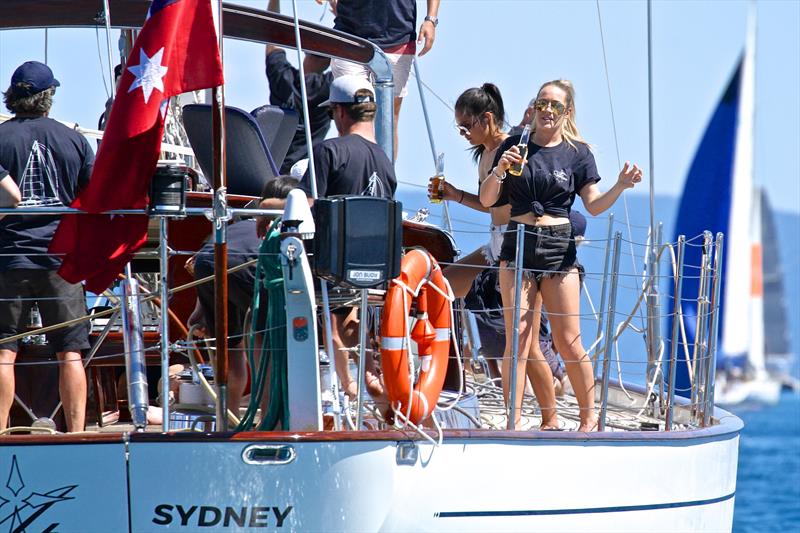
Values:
[(516, 169)]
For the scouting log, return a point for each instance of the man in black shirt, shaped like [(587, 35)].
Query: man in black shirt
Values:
[(284, 91), (351, 164), (50, 163)]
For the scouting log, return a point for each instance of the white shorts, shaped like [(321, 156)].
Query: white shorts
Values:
[(401, 68), (491, 250)]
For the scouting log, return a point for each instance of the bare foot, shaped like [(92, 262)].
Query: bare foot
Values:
[(589, 425), (549, 428)]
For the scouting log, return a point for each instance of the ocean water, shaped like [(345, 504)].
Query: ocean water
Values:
[(768, 482)]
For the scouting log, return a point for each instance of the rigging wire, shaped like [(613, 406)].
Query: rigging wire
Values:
[(616, 145)]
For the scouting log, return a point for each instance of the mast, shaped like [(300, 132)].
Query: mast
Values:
[(653, 314), (220, 238)]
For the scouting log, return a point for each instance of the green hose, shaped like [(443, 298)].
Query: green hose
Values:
[(269, 278)]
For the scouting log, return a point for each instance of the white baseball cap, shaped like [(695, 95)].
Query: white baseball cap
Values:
[(344, 89)]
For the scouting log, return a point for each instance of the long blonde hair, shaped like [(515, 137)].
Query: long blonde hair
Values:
[(569, 130)]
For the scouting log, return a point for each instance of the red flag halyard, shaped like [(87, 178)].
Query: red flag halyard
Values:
[(176, 52)]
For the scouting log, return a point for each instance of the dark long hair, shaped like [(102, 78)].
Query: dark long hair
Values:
[(475, 102)]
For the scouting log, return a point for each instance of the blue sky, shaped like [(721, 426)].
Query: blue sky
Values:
[(518, 44)]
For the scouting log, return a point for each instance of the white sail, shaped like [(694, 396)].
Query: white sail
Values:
[(736, 339)]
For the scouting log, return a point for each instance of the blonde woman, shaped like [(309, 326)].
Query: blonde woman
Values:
[(558, 167)]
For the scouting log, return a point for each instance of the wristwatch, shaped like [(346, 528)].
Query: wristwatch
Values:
[(432, 20)]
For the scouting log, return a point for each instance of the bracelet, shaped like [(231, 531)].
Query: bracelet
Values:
[(460, 200), (498, 176)]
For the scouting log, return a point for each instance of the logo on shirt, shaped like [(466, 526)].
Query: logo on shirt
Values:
[(374, 186), (560, 175), (39, 181)]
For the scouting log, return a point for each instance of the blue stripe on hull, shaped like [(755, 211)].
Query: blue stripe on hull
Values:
[(590, 510)]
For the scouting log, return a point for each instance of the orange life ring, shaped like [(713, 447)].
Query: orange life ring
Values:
[(421, 282)]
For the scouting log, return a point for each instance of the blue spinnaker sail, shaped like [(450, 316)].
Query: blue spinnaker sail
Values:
[(706, 205)]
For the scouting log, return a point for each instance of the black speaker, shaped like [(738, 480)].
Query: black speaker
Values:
[(358, 240)]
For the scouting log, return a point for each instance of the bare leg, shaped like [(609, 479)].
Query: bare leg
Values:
[(461, 274), (528, 327), (398, 102), (540, 375), (561, 296), (237, 376), (72, 387), (7, 358), (344, 335)]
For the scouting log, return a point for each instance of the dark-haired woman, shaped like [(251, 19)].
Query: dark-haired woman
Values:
[(559, 166), (479, 117)]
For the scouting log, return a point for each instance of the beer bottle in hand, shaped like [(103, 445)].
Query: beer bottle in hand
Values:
[(516, 169)]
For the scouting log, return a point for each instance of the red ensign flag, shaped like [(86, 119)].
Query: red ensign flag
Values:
[(176, 52)]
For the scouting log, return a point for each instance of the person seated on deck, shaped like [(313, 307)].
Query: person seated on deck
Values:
[(351, 164), (243, 247), (33, 147), (284, 91)]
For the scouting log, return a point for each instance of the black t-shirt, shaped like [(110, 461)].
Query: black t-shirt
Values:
[(284, 91), (385, 23), (345, 165), (560, 172), (3, 172), (243, 245), (50, 163)]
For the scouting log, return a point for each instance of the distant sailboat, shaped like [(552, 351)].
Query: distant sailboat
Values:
[(718, 196), (778, 356)]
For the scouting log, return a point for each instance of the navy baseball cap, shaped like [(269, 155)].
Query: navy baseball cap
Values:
[(578, 222), (37, 75)]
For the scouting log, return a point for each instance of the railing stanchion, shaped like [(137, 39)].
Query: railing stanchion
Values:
[(362, 356), (676, 320), (604, 284), (163, 264), (612, 305), (708, 399), (699, 359)]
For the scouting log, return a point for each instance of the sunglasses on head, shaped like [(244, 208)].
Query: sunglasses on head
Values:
[(541, 104), (465, 128)]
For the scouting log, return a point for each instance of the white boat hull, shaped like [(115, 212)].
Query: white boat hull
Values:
[(759, 391), (475, 481)]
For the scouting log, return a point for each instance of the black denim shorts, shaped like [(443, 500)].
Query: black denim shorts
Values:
[(548, 250)]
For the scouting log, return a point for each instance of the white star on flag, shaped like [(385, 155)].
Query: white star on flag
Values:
[(149, 73)]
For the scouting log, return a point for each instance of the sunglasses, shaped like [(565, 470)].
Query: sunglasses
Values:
[(330, 111), (542, 104), (463, 128)]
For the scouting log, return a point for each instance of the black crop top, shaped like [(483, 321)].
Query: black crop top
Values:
[(560, 172)]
